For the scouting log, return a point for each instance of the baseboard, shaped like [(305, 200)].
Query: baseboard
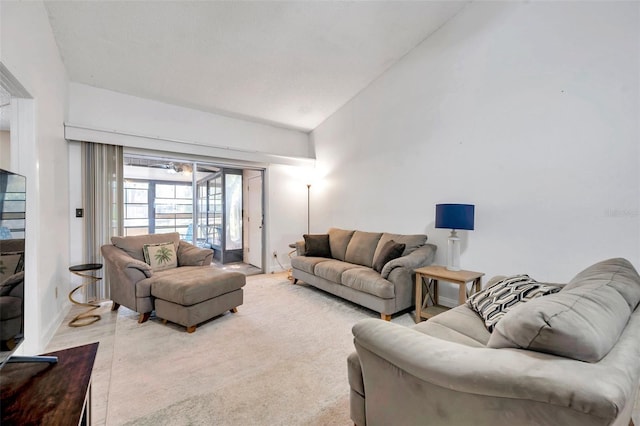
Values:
[(48, 334)]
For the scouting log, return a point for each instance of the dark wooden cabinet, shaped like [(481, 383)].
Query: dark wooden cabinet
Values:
[(49, 394)]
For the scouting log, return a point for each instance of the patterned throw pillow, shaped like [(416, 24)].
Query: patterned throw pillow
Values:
[(494, 302), (160, 256)]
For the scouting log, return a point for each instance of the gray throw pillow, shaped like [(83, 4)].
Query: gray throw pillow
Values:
[(495, 301), (391, 250), (317, 245)]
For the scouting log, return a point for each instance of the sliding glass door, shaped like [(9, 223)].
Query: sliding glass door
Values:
[(219, 217)]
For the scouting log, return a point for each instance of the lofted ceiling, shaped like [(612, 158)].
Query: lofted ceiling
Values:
[(289, 63)]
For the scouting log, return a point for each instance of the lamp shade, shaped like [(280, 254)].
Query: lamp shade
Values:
[(455, 216)]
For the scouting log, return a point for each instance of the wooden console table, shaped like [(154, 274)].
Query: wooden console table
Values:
[(49, 394)]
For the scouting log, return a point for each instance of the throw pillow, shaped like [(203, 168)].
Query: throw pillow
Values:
[(494, 302), (160, 256), (391, 250), (317, 245)]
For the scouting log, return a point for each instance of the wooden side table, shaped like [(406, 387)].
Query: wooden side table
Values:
[(435, 273), (49, 394)]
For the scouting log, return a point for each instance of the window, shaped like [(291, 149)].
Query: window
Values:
[(152, 207)]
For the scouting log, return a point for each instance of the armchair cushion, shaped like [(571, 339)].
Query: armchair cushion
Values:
[(133, 245), (190, 255)]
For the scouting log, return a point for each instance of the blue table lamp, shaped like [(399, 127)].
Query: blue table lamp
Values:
[(454, 216)]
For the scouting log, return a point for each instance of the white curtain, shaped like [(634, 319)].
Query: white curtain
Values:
[(102, 182)]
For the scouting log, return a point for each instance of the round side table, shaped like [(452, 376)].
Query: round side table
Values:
[(88, 271)]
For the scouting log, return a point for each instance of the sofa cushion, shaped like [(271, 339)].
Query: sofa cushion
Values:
[(338, 241), (160, 256), (133, 245), (581, 322), (390, 251), (368, 281), (460, 325), (317, 245), (411, 242), (332, 270), (11, 263), (307, 264), (493, 302), (618, 273), (362, 247), (10, 283)]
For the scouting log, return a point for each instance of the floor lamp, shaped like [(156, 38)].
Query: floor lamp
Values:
[(308, 205)]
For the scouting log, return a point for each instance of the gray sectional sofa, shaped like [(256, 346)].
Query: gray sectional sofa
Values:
[(346, 270), (568, 358)]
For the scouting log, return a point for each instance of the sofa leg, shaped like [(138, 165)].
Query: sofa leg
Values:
[(115, 306), (385, 317), (295, 281), (234, 310), (631, 422), (191, 329), (144, 317)]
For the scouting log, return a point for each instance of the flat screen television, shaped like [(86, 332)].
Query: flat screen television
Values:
[(13, 229), (13, 207)]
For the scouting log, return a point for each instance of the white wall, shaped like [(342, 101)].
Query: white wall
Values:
[(5, 149), (141, 123), (29, 52), (188, 130), (527, 110)]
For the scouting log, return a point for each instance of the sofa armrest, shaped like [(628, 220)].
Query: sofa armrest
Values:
[(512, 374), (190, 255), (422, 256), (121, 261), (300, 248)]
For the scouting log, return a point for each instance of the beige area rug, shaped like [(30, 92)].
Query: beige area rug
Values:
[(281, 360)]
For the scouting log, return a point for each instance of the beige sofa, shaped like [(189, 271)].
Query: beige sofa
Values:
[(569, 358), (347, 270), (189, 293)]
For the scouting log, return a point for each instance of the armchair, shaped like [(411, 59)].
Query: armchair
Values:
[(130, 278)]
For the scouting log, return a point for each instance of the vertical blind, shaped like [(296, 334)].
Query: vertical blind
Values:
[(102, 177)]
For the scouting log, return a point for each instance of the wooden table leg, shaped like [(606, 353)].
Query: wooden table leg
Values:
[(418, 298)]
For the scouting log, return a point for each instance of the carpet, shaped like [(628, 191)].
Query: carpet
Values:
[(281, 360)]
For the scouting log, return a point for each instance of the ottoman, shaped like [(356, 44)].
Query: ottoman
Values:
[(198, 296)]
